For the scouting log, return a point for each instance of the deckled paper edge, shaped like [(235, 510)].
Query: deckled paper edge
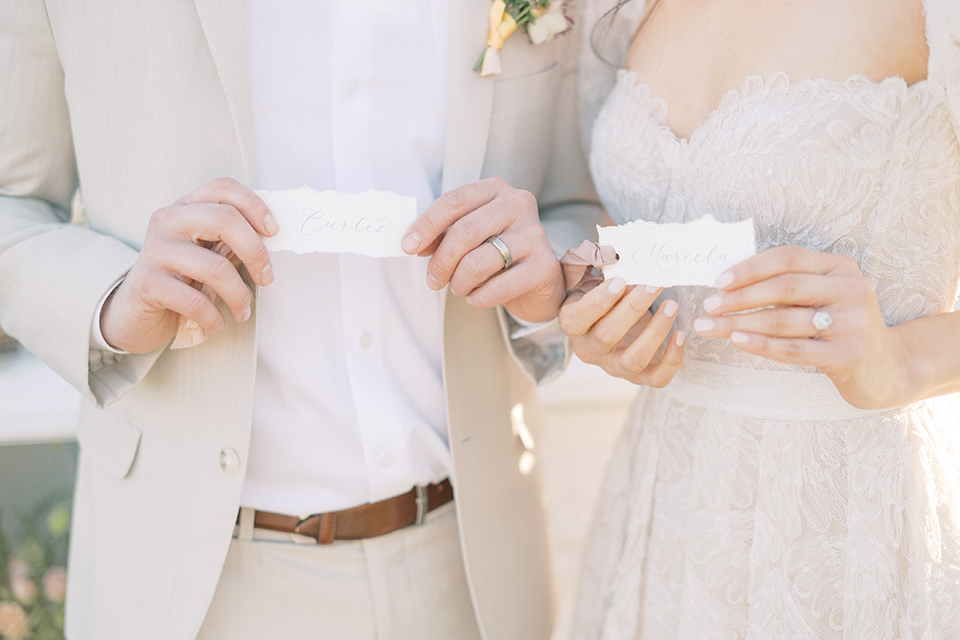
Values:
[(610, 271), (410, 201)]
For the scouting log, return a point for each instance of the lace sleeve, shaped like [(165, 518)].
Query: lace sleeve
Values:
[(943, 37)]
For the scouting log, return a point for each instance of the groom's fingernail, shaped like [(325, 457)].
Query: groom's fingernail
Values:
[(411, 242), (270, 224), (617, 285), (266, 274), (433, 283)]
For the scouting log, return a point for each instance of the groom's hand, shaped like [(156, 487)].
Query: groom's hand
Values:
[(142, 314), (454, 229)]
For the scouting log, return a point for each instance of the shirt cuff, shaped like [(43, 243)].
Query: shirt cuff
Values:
[(96, 335), (523, 327)]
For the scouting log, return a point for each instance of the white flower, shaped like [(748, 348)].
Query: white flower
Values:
[(549, 24), (23, 588)]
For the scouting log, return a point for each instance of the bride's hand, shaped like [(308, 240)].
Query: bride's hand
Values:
[(857, 351), (612, 326)]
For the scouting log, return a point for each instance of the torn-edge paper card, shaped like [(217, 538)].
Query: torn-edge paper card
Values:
[(371, 223), (674, 254)]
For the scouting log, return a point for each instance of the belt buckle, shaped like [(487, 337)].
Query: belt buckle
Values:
[(423, 503)]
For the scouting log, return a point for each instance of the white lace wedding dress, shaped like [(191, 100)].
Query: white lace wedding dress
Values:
[(747, 499)]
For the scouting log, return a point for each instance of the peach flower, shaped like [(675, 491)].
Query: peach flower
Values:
[(14, 623)]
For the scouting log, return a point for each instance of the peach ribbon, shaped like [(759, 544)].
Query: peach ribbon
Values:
[(502, 26)]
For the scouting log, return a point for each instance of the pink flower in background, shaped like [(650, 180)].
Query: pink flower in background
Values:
[(13, 621), (55, 584)]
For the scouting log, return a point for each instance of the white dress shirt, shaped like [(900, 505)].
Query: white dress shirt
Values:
[(349, 406)]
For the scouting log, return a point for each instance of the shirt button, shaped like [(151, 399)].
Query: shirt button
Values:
[(230, 462), (387, 459), (365, 340), (351, 87)]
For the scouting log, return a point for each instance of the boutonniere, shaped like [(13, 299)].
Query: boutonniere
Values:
[(542, 19)]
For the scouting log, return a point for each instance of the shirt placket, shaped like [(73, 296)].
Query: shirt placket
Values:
[(361, 279)]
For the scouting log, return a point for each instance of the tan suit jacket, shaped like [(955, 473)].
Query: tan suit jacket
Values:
[(138, 103)]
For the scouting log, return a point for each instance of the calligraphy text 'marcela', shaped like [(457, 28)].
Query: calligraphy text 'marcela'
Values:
[(667, 260)]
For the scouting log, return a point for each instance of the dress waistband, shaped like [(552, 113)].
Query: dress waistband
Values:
[(761, 393)]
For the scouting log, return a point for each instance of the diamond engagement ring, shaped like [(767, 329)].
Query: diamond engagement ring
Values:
[(503, 249), (821, 321)]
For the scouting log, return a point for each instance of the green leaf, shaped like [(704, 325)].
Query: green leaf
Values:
[(479, 63)]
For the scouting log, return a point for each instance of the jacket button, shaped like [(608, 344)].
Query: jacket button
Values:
[(230, 462)]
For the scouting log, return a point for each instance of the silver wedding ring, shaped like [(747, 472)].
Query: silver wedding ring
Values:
[(821, 322), (503, 249)]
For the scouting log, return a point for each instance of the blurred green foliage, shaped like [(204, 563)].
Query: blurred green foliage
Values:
[(33, 572)]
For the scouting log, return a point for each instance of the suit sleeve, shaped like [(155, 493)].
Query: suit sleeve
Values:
[(53, 273), (570, 212), (569, 207)]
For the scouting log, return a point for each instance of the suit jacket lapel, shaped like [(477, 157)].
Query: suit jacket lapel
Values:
[(469, 104), (469, 96), (222, 22)]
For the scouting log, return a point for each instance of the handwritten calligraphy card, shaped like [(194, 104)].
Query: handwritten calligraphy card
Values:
[(370, 223), (673, 254)]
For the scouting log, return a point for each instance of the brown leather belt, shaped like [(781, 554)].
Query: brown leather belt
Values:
[(365, 521)]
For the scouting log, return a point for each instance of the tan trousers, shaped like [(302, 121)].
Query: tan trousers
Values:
[(407, 585)]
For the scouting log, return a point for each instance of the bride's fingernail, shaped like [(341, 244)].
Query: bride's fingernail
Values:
[(652, 289), (739, 338), (703, 324), (680, 338), (616, 285), (670, 308), (711, 303), (724, 279)]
